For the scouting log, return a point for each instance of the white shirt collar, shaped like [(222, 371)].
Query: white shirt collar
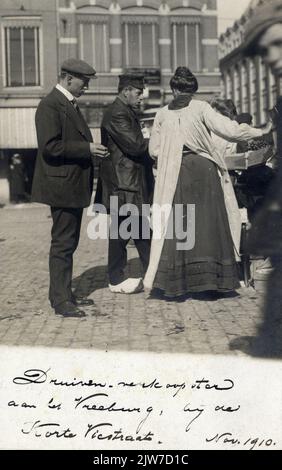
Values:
[(65, 92)]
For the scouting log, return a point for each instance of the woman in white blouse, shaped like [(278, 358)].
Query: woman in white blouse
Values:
[(192, 171)]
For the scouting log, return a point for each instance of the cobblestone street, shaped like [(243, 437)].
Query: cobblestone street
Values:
[(117, 322)]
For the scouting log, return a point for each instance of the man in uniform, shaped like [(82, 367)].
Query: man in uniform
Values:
[(63, 177), (127, 174)]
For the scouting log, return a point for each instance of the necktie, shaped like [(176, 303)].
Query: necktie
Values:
[(75, 105)]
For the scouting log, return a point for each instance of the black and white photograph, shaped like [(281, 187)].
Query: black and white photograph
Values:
[(141, 227)]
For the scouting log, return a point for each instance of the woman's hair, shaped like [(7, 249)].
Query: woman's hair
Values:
[(225, 107), (184, 81)]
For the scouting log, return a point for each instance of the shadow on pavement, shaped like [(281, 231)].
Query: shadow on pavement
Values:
[(256, 346), (268, 341), (97, 278)]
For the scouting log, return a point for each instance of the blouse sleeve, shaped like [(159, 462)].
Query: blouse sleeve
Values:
[(154, 142), (226, 128)]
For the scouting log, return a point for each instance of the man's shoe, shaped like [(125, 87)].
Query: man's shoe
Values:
[(129, 286), (80, 301), (68, 309)]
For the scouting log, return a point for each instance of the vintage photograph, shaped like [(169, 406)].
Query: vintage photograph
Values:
[(140, 222)]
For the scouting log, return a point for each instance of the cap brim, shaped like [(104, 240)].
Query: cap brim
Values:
[(85, 76)]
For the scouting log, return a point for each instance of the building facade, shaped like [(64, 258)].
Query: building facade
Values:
[(150, 36), (247, 81), (28, 68)]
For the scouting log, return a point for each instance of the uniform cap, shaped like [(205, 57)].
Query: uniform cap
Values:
[(134, 80)]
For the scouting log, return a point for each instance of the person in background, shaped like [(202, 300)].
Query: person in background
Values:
[(243, 118), (63, 177), (254, 144), (226, 107), (17, 179), (252, 184)]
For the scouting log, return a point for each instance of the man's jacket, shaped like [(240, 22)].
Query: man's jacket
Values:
[(64, 172)]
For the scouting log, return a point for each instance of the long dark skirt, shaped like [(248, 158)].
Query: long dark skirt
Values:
[(210, 265)]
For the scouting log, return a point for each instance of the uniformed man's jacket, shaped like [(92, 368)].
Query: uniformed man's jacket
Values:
[(127, 173)]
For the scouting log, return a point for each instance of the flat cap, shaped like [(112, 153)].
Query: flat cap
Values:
[(130, 79), (265, 15), (78, 67)]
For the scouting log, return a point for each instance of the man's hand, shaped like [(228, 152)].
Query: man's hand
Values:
[(98, 150)]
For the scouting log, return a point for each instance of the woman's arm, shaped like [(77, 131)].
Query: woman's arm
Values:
[(228, 129), (154, 142)]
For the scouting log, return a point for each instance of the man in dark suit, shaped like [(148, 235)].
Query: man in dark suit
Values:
[(63, 177), (128, 176)]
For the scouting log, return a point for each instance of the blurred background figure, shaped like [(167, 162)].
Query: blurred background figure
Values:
[(226, 107), (244, 118), (17, 179), (264, 36), (253, 144), (253, 183)]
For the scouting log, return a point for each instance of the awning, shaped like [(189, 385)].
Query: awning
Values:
[(17, 128)]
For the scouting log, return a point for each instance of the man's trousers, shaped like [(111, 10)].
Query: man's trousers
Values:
[(117, 254), (65, 237)]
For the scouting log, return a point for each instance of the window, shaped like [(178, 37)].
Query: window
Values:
[(253, 91), (237, 90), (228, 85), (94, 45), (272, 89), (140, 45), (263, 92), (22, 55), (185, 45)]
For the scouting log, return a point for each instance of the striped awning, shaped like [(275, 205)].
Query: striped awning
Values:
[(17, 128)]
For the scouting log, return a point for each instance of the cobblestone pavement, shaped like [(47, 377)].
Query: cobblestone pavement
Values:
[(118, 322)]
